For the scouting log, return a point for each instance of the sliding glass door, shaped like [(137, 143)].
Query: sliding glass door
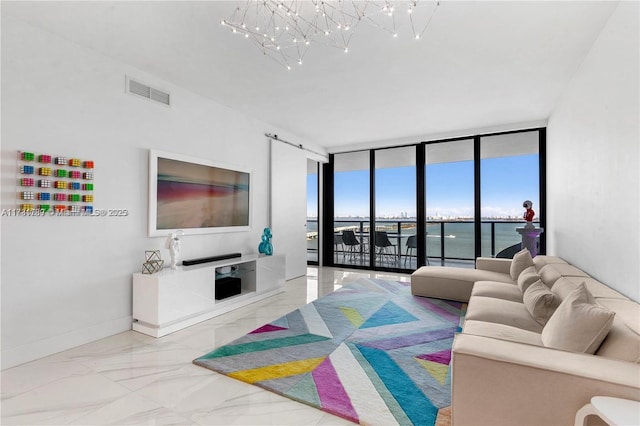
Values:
[(449, 195), (393, 241), (351, 186), (313, 234), (510, 175)]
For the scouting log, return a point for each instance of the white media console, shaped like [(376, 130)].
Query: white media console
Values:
[(171, 300)]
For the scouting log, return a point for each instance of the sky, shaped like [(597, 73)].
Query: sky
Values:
[(505, 183)]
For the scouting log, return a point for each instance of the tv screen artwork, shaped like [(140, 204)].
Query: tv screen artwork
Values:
[(197, 197)]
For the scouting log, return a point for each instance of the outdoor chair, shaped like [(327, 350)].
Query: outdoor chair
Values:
[(383, 246), (412, 244), (350, 241)]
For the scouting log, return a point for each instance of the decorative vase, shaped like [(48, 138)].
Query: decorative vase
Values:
[(265, 246)]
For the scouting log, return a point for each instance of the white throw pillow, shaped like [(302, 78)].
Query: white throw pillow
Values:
[(520, 262), (540, 302), (579, 324), (527, 277)]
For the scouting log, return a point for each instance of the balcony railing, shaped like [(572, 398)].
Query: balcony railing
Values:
[(447, 241)]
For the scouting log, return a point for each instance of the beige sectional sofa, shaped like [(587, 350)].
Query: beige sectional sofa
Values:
[(540, 338)]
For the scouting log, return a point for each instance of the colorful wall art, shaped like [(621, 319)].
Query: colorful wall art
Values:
[(60, 179)]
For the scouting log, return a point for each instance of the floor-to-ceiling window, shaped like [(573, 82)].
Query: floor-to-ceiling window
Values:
[(351, 187), (441, 202), (313, 234), (450, 201), (510, 175), (395, 207)]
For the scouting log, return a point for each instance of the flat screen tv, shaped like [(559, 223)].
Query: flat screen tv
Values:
[(196, 196)]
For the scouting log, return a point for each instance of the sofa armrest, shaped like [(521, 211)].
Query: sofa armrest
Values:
[(494, 264), (497, 382)]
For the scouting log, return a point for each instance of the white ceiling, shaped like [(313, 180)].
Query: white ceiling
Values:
[(479, 65)]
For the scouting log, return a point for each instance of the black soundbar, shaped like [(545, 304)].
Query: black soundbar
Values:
[(210, 259)]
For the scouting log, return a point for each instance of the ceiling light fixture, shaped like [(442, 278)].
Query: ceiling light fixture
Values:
[(333, 23)]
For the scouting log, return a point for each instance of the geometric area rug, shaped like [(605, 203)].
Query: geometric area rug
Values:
[(369, 352)]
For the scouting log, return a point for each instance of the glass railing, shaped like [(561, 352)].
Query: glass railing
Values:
[(312, 240), (447, 240)]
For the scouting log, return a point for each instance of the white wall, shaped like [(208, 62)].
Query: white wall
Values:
[(593, 160), (67, 280)]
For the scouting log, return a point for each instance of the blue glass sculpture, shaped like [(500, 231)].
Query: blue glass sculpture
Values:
[(265, 246)]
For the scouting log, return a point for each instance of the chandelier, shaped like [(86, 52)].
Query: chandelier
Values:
[(286, 30)]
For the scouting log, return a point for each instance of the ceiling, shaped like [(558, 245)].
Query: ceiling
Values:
[(480, 64)]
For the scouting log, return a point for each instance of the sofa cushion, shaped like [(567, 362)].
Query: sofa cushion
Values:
[(552, 272), (540, 302), (449, 282), (520, 262), (503, 332), (596, 288), (549, 275), (494, 264), (623, 341), (563, 287), (498, 290), (579, 324), (507, 312), (541, 260), (527, 277)]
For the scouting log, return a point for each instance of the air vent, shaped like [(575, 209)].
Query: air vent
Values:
[(148, 92)]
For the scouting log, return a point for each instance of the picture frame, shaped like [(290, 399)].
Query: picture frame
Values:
[(197, 196)]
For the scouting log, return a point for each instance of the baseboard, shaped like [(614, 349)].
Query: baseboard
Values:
[(34, 350), (231, 304)]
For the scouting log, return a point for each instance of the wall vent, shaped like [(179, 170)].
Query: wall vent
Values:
[(148, 92)]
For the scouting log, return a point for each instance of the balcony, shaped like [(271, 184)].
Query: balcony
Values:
[(449, 242)]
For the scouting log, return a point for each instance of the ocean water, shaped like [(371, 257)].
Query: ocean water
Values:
[(458, 237)]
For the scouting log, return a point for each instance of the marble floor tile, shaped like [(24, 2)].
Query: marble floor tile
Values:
[(35, 374), (131, 378), (132, 410), (62, 401)]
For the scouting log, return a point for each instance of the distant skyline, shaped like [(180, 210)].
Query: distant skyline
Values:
[(505, 183)]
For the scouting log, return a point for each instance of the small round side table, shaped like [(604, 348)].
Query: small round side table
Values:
[(614, 411)]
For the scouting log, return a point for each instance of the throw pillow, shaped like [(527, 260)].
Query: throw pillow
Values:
[(540, 302), (579, 324), (521, 260), (527, 277)]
